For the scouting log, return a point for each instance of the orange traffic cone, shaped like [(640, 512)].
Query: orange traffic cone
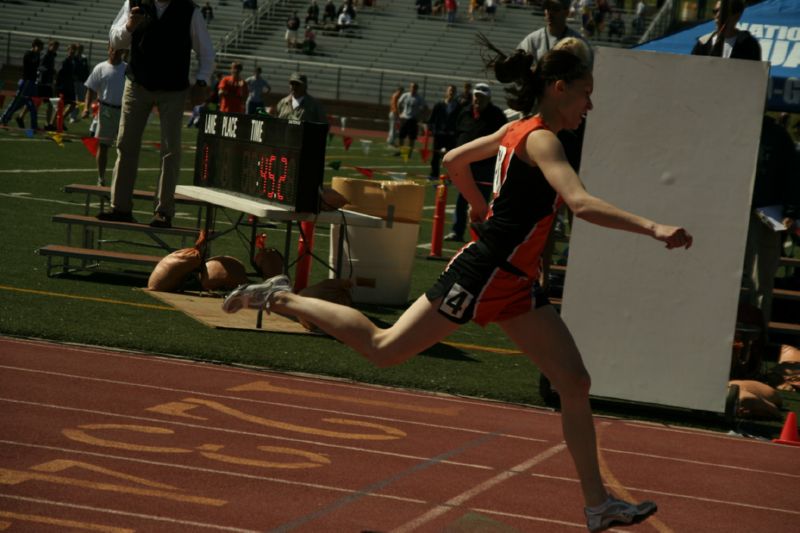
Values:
[(789, 433)]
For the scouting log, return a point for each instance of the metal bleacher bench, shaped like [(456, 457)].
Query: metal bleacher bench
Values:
[(87, 246)]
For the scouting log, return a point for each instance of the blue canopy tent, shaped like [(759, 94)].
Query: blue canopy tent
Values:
[(776, 24)]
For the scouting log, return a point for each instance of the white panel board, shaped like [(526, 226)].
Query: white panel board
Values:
[(675, 139)]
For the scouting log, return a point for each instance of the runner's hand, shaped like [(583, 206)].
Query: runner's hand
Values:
[(674, 236)]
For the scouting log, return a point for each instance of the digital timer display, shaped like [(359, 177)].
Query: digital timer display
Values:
[(268, 158)]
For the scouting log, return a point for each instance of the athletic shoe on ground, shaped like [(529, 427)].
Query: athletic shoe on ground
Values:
[(257, 295), (160, 220), (101, 182), (453, 236), (116, 216), (618, 512)]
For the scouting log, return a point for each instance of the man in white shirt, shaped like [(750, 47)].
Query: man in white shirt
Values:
[(410, 106), (541, 41), (160, 35), (106, 83)]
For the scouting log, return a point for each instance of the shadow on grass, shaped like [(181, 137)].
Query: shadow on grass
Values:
[(120, 278)]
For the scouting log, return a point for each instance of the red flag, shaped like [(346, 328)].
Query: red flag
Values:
[(347, 142), (91, 144), (425, 153), (368, 172)]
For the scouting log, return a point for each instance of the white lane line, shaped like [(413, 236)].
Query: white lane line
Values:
[(240, 432), (261, 402), (128, 514), (478, 489), (702, 463), (228, 473), (650, 491), (532, 518)]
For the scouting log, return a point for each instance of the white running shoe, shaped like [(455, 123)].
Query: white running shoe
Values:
[(618, 512), (256, 295)]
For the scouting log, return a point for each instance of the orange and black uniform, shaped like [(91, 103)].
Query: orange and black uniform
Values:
[(494, 278)]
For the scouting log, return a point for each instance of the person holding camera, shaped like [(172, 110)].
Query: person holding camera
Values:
[(160, 35)]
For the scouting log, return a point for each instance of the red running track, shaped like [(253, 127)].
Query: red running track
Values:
[(97, 440)]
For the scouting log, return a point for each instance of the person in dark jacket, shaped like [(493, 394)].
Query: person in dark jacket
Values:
[(735, 43), (477, 120), (160, 37), (27, 87)]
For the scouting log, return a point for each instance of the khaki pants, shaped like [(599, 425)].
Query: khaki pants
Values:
[(137, 103)]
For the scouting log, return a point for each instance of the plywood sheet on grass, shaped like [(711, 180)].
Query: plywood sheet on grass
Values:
[(208, 310)]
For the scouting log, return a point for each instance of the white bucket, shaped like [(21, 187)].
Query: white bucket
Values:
[(382, 261)]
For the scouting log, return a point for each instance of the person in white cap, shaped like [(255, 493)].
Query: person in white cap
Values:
[(298, 104), (541, 41)]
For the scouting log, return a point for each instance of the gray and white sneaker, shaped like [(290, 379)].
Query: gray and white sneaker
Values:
[(256, 295), (618, 512)]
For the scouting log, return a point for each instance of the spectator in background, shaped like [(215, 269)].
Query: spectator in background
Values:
[(442, 125), (478, 120), (292, 25), (491, 9), (26, 89), (298, 104), (410, 107), (257, 89), (735, 43), (106, 83), (349, 8), (451, 8), (344, 21), (312, 13), (65, 82), (465, 98), (394, 112), (309, 41), (329, 14), (81, 73), (601, 15), (160, 37), (45, 80), (232, 90), (541, 41), (616, 27), (777, 184), (208, 13), (424, 7)]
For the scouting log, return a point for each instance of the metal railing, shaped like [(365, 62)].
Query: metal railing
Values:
[(660, 23)]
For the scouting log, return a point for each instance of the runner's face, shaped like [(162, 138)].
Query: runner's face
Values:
[(576, 102)]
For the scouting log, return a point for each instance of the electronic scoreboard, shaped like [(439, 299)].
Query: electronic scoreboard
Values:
[(273, 159)]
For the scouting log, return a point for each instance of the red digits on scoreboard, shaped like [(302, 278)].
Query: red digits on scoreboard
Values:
[(271, 187), (282, 177)]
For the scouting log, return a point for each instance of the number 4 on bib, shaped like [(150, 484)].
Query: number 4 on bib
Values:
[(457, 301)]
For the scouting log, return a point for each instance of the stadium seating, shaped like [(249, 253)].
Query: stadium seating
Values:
[(391, 45)]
